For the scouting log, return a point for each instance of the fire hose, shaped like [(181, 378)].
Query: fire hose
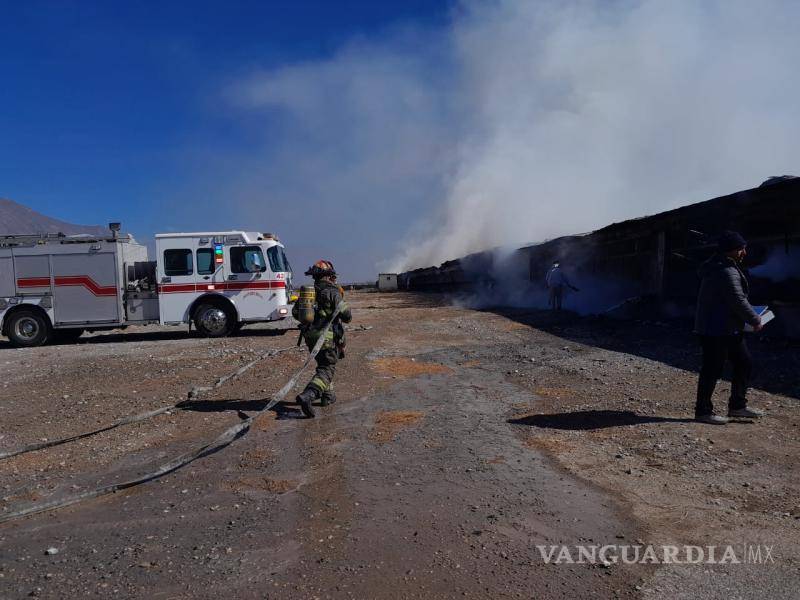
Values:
[(193, 395), (225, 438)]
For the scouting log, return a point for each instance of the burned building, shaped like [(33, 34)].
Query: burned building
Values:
[(654, 259)]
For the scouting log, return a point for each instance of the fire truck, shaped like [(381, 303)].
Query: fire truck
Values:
[(55, 287)]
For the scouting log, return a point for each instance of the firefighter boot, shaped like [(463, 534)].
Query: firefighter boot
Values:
[(328, 398), (305, 399)]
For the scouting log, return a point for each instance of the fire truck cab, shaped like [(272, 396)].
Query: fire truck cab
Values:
[(56, 287), (220, 281)]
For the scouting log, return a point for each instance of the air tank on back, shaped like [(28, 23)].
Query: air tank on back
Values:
[(305, 305)]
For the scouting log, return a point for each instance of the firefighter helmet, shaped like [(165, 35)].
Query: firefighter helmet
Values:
[(321, 268)]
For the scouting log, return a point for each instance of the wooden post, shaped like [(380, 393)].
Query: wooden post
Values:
[(658, 274)]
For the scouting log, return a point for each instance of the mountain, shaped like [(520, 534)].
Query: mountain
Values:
[(18, 219)]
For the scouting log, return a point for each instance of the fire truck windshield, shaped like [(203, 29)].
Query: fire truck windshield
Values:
[(247, 259), (277, 260)]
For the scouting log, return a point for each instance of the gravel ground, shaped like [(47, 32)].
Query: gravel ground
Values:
[(461, 441)]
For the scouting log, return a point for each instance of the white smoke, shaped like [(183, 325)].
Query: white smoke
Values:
[(527, 120), (781, 264), (354, 148), (591, 112)]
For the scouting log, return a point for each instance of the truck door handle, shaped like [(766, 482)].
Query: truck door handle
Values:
[(166, 279), (258, 276), (233, 277), (206, 277)]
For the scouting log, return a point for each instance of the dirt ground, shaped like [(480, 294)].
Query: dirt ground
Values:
[(461, 441)]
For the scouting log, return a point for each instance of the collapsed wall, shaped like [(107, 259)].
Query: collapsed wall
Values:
[(651, 259)]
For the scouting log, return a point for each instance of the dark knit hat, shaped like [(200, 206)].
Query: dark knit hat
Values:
[(731, 240)]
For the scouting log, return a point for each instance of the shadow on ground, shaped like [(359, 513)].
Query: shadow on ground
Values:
[(585, 420), (776, 361), (118, 336), (284, 409)]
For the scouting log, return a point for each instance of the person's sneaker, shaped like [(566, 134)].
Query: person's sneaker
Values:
[(711, 419), (746, 413), (304, 400)]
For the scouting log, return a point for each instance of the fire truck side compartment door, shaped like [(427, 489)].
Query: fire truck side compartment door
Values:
[(7, 284), (86, 288), (33, 272)]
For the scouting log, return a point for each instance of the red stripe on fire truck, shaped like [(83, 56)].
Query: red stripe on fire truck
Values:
[(28, 282), (69, 280), (87, 282), (177, 288)]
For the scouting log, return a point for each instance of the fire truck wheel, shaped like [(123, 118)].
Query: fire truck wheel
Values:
[(29, 328), (214, 320)]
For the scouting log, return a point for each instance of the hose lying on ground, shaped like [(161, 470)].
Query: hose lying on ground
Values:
[(222, 440), (193, 395), (79, 436)]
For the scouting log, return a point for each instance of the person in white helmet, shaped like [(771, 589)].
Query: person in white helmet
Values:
[(556, 282)]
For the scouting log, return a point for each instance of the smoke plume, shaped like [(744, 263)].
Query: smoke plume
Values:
[(521, 121), (781, 265)]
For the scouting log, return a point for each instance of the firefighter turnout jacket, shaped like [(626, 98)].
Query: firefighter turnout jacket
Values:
[(328, 297)]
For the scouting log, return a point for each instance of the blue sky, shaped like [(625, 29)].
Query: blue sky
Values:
[(392, 135), (111, 110)]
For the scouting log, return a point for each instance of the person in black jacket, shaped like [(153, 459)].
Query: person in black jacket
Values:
[(722, 312)]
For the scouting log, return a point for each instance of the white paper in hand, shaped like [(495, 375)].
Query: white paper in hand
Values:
[(766, 316)]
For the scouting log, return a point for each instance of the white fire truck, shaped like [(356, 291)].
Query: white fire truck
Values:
[(56, 287)]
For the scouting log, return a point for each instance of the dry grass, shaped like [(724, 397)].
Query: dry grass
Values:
[(514, 326), (265, 421), (552, 445), (471, 363), (401, 366), (389, 423), (559, 393)]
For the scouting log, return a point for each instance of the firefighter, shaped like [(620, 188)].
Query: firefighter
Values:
[(556, 282), (328, 296)]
